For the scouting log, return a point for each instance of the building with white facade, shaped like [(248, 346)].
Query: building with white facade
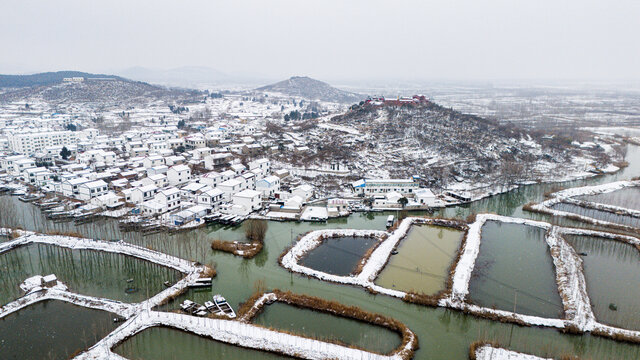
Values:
[(371, 187), (178, 174), (33, 142), (92, 189)]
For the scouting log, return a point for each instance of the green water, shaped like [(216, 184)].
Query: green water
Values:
[(52, 330), (339, 255), (423, 260), (159, 343), (598, 214), (443, 334), (84, 272), (627, 198), (325, 326), (612, 272), (514, 271)]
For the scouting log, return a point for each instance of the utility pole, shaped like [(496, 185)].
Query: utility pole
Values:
[(515, 304)]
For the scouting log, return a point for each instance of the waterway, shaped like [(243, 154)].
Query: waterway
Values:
[(443, 334)]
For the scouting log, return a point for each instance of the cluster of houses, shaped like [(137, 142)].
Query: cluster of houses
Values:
[(161, 175)]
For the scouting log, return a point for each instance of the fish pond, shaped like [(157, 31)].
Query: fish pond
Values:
[(628, 198), (514, 271), (598, 214), (328, 327), (423, 260), (443, 334), (52, 330), (338, 255), (86, 272), (163, 343), (612, 271)]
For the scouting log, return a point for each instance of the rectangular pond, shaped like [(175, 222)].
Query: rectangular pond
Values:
[(514, 270), (163, 343), (598, 214), (612, 271), (627, 198), (328, 327), (52, 330), (423, 260), (338, 255), (86, 272)]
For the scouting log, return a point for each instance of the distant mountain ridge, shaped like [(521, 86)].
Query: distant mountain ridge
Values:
[(186, 76), (312, 89), (47, 78)]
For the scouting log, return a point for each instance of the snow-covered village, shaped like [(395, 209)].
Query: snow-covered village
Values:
[(319, 181)]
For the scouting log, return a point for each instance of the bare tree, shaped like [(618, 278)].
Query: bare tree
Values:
[(255, 230)]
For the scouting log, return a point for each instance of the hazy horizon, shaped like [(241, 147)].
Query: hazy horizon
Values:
[(339, 42)]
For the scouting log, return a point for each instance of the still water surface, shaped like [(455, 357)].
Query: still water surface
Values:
[(443, 334), (423, 260)]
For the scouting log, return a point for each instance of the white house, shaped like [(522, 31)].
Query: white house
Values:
[(143, 193), (70, 187), (178, 174), (212, 198), (426, 197), (370, 187), (153, 207), (108, 200), (230, 187), (304, 191), (215, 160), (238, 168), (249, 200), (152, 161), (211, 178), (162, 169), (268, 186), (159, 180), (170, 197), (90, 190), (264, 165)]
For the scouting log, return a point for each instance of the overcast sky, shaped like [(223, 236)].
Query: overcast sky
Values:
[(332, 40)]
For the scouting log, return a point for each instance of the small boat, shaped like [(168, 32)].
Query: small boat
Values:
[(130, 280), (187, 305), (224, 307), (613, 307), (201, 282), (390, 221), (131, 290), (200, 311), (29, 198), (583, 254), (167, 283), (394, 252)]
